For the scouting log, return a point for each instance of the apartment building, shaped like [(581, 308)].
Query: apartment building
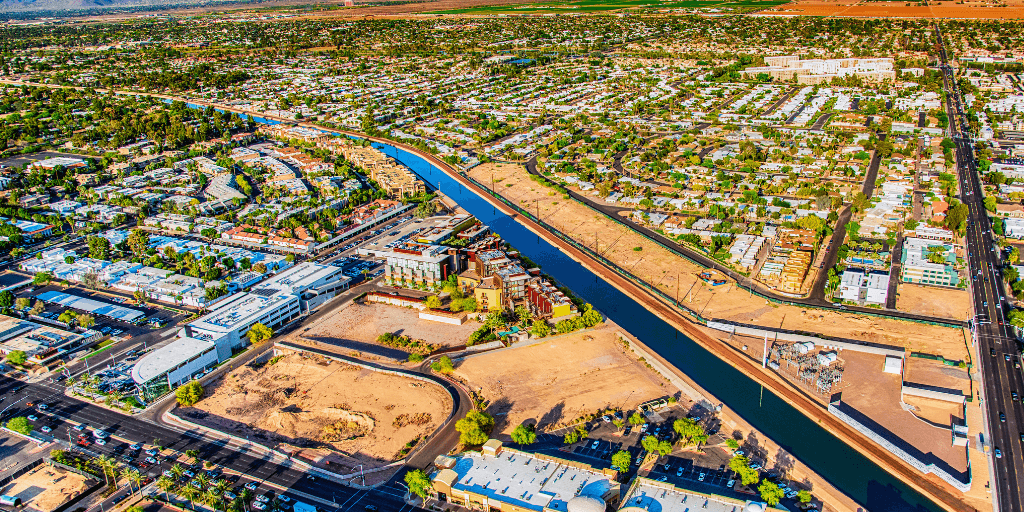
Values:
[(929, 262), (819, 71), (394, 178), (411, 263), (859, 285)]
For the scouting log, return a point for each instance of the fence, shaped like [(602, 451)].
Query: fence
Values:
[(899, 452)]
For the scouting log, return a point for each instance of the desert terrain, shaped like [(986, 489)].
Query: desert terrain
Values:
[(46, 488), (342, 413), (560, 379), (934, 301), (1013, 9), (678, 277), (356, 326)]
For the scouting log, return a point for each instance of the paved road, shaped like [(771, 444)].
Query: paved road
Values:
[(65, 412), (997, 345)]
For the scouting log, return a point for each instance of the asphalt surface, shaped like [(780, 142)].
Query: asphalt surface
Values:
[(65, 412), (997, 344)]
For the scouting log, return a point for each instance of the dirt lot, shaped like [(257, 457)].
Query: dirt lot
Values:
[(362, 323), (934, 301), (352, 415), (46, 488), (876, 395), (561, 378), (933, 373), (948, 9), (678, 277)]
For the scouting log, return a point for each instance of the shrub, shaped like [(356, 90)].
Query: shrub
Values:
[(189, 393)]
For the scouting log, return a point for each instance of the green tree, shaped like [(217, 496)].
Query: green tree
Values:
[(17, 357), (770, 492), (475, 428), (990, 204), (621, 459), (42, 279), (443, 365), (636, 419), (650, 443), (732, 443), (6, 299), (432, 302), (524, 434), (741, 465), (189, 393), (259, 333), (20, 425), (418, 482), (540, 328), (690, 430), (803, 496)]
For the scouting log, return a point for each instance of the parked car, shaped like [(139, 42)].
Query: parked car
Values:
[(701, 476), (46, 429)]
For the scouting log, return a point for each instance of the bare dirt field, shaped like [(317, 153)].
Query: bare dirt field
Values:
[(46, 488), (347, 414), (933, 373), (677, 277), (949, 9), (362, 323), (934, 301), (561, 378)]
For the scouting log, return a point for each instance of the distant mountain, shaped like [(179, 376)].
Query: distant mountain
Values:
[(10, 8)]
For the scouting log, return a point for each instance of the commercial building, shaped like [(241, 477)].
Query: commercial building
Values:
[(929, 262), (499, 478), (212, 338), (42, 344), (647, 495), (1013, 227), (868, 287)]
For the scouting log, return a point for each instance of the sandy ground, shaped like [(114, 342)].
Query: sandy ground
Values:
[(948, 9), (677, 277), (934, 301), (934, 373), (364, 322), (560, 379), (46, 488), (351, 415)]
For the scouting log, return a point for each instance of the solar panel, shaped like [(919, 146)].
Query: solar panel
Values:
[(265, 292)]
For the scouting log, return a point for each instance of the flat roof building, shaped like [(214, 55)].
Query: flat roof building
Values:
[(647, 495), (510, 480), (212, 338)]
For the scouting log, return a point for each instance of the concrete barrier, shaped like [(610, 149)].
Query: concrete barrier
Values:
[(758, 332)]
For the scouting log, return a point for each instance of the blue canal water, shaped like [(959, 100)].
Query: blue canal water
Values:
[(841, 465), (844, 467)]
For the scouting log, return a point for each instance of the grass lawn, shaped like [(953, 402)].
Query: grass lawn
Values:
[(597, 6)]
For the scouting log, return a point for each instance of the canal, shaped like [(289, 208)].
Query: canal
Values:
[(848, 470), (844, 467)]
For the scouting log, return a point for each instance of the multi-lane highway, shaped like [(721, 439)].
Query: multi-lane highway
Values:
[(1002, 381), (63, 413)]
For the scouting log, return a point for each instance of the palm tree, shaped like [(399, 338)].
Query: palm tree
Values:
[(133, 476), (190, 493), (194, 454), (202, 480), (107, 465), (165, 484), (177, 470), (211, 498)]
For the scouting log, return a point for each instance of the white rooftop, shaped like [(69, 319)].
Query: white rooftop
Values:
[(524, 480), (649, 495), (168, 357)]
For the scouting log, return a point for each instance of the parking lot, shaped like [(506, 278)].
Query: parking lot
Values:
[(704, 471)]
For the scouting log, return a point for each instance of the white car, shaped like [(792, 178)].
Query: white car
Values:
[(700, 477), (730, 484), (46, 429), (32, 417), (595, 445), (259, 505), (43, 407), (101, 441)]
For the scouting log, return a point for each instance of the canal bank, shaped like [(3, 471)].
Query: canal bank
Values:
[(795, 421), (803, 430)]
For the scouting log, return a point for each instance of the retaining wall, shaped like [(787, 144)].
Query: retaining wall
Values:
[(899, 452)]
